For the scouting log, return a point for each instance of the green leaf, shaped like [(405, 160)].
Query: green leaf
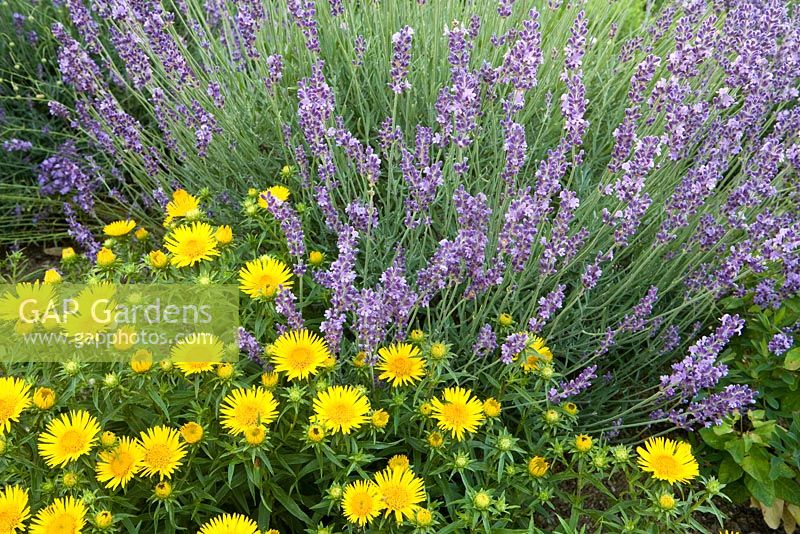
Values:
[(757, 464), (737, 450), (729, 470), (761, 492), (788, 490), (713, 439), (792, 361), (778, 469), (289, 503)]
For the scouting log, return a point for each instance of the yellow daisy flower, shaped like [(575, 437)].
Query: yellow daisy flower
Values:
[(230, 524), (44, 398), (538, 466), (458, 412), (400, 364), (68, 437), (423, 518), (491, 407), (117, 467), (190, 244), (163, 490), (66, 515), (399, 461), (103, 519), (299, 353), (243, 409), (181, 205), (119, 228), (536, 352), (31, 302), (192, 432), (261, 277), (668, 460), (341, 408), (142, 361), (255, 435), (583, 443), (105, 257), (361, 502), (435, 440), (14, 398), (400, 492), (197, 353), (162, 451), (51, 276), (315, 433), (667, 502), (315, 258), (277, 192), (14, 509), (224, 234), (157, 259), (380, 418), (269, 379)]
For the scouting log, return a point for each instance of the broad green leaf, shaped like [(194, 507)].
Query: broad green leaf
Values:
[(792, 361), (764, 493), (789, 490), (729, 470), (757, 464)]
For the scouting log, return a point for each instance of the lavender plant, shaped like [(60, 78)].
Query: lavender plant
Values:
[(44, 163), (602, 184)]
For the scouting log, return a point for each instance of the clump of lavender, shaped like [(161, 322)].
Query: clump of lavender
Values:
[(699, 372), (65, 175), (554, 184)]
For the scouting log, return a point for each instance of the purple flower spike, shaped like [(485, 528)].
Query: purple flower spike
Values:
[(578, 384), (401, 58)]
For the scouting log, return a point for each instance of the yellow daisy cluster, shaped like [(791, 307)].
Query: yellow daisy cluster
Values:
[(398, 395), (396, 491)]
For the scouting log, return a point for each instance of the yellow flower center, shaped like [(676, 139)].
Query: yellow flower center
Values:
[(72, 442), (396, 497), (159, 456), (193, 248), (362, 505), (120, 464), (267, 283), (455, 414), (341, 413), (665, 466), (9, 519), (63, 523), (248, 414), (400, 366), (301, 357)]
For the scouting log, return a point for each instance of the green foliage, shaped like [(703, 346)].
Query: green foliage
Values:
[(759, 454)]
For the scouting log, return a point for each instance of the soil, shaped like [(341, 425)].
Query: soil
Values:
[(741, 518)]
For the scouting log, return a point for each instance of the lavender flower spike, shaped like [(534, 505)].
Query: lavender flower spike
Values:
[(401, 59), (573, 387)]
